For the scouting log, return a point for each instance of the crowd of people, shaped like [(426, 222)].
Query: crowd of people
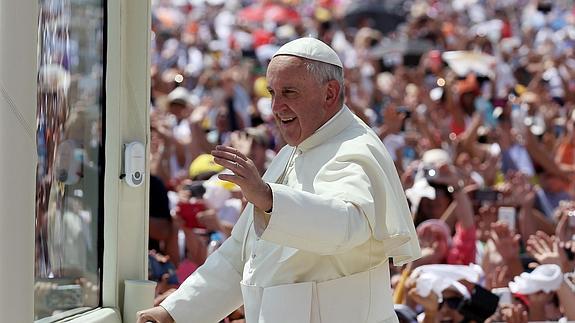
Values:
[(474, 101)]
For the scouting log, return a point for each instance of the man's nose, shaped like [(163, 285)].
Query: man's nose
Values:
[(276, 105)]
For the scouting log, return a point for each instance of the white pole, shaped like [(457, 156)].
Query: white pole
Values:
[(18, 46)]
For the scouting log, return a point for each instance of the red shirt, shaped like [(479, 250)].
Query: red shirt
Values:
[(188, 213), (462, 251)]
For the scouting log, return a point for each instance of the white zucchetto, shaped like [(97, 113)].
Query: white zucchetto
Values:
[(310, 48)]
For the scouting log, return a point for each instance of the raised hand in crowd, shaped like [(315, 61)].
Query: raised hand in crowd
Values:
[(566, 296), (565, 232), (430, 303), (497, 278), (393, 121), (197, 117), (514, 314), (546, 250), (565, 215), (434, 247), (355, 101), (518, 192), (454, 179), (408, 175), (201, 111), (486, 215), (242, 142), (503, 249), (159, 121)]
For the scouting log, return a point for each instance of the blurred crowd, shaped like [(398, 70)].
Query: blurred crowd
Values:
[(474, 100)]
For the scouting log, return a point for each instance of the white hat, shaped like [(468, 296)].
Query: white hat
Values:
[(545, 278), (435, 158), (439, 277), (179, 95), (310, 48)]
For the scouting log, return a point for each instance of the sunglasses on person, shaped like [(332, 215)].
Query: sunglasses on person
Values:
[(453, 302)]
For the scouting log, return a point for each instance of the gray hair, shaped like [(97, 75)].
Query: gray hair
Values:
[(324, 72)]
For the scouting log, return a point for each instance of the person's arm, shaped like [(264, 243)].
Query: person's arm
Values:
[(430, 305), (469, 138), (160, 162), (160, 228), (506, 244), (198, 134), (393, 122), (172, 247), (537, 303), (566, 296), (208, 295), (514, 314), (461, 205), (531, 220), (451, 98), (463, 250), (340, 218), (463, 210), (337, 216), (541, 156), (545, 249), (212, 291)]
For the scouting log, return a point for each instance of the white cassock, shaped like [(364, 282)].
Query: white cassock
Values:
[(339, 212)]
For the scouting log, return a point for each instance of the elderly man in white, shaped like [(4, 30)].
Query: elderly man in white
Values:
[(313, 243)]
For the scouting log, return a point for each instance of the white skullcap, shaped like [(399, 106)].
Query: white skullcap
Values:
[(310, 48)]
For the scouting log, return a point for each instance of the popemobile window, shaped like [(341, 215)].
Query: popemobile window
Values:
[(69, 173)]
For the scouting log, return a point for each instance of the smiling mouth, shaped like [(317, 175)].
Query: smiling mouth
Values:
[(287, 120)]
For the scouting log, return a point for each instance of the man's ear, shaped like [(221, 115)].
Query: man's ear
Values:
[(332, 93)]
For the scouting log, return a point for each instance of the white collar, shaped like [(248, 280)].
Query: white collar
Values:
[(329, 129)]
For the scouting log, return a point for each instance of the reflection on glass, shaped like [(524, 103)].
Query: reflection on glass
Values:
[(69, 143)]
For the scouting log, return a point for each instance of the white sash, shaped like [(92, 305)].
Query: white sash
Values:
[(362, 297)]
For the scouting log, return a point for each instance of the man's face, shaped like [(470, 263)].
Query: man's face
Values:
[(178, 109), (298, 100)]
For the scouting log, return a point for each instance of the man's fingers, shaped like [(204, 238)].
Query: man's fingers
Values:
[(228, 155), (535, 246), (235, 167), (230, 150), (231, 178), (542, 235), (144, 318), (542, 245)]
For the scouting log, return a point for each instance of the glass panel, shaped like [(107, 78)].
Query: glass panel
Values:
[(69, 173)]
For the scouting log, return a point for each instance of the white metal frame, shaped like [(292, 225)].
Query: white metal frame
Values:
[(125, 208)]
